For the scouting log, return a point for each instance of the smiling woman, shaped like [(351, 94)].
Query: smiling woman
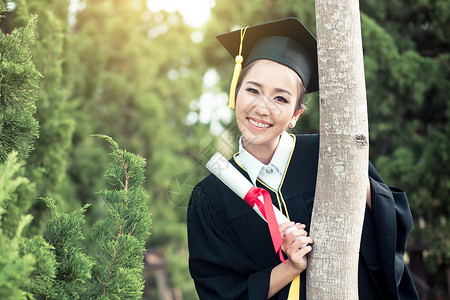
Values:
[(232, 254), (266, 104), (195, 12)]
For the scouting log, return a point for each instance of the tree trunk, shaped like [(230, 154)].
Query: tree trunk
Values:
[(339, 206)]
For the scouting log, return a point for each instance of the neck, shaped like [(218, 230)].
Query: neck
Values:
[(262, 152)]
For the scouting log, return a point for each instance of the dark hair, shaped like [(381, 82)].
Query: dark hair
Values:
[(302, 89)]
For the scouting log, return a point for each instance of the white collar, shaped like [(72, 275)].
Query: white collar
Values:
[(278, 164)]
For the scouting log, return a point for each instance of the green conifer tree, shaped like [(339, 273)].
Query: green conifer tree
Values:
[(18, 130), (14, 266), (48, 162), (19, 83), (41, 281), (73, 265), (2, 9), (19, 88), (122, 234), (47, 165), (59, 267)]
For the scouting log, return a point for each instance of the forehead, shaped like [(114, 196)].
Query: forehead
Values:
[(272, 72)]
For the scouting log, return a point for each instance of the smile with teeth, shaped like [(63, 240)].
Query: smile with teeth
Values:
[(258, 124)]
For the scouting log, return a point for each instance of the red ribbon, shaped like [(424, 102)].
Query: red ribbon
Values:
[(267, 211)]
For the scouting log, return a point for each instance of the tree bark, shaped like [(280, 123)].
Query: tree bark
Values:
[(340, 202)]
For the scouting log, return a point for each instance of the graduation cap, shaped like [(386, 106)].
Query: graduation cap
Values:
[(286, 41)]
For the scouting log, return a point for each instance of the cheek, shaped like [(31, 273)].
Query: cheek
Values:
[(240, 120), (240, 110), (287, 115), (239, 99), (244, 102)]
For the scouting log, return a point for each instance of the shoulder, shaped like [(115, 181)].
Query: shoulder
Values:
[(307, 139), (302, 169), (306, 146)]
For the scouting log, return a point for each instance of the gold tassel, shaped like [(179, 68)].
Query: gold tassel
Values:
[(237, 71), (294, 290)]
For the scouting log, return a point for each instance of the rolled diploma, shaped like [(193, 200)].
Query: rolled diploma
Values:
[(232, 178)]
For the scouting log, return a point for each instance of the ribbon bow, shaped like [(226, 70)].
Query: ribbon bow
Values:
[(267, 211)]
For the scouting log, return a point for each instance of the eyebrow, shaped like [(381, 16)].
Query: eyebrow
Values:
[(279, 90)]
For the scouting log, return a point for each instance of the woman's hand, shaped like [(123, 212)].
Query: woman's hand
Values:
[(283, 274), (293, 247)]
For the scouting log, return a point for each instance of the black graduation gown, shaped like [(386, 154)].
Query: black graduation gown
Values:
[(231, 253)]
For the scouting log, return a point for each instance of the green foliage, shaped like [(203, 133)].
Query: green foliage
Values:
[(41, 281), (122, 234), (19, 83), (58, 267), (133, 74), (14, 266), (2, 8), (410, 152), (421, 25), (47, 165), (13, 206), (8, 180), (64, 234)]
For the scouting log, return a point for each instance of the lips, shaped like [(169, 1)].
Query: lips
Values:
[(259, 124)]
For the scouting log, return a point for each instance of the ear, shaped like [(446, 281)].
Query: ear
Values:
[(296, 115)]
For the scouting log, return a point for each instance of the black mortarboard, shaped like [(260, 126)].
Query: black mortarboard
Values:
[(286, 41)]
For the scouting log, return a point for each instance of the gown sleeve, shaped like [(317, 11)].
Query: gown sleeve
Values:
[(385, 233), (218, 264)]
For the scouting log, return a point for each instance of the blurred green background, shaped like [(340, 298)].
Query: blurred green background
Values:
[(155, 79)]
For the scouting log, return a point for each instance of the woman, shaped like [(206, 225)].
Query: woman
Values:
[(231, 252)]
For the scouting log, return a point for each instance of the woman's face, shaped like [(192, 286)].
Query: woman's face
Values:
[(266, 103)]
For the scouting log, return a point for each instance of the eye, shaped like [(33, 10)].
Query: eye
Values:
[(281, 99), (252, 91)]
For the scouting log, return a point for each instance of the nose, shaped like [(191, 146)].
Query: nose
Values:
[(262, 105)]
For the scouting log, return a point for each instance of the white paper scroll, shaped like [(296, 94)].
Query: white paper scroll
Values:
[(232, 178)]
